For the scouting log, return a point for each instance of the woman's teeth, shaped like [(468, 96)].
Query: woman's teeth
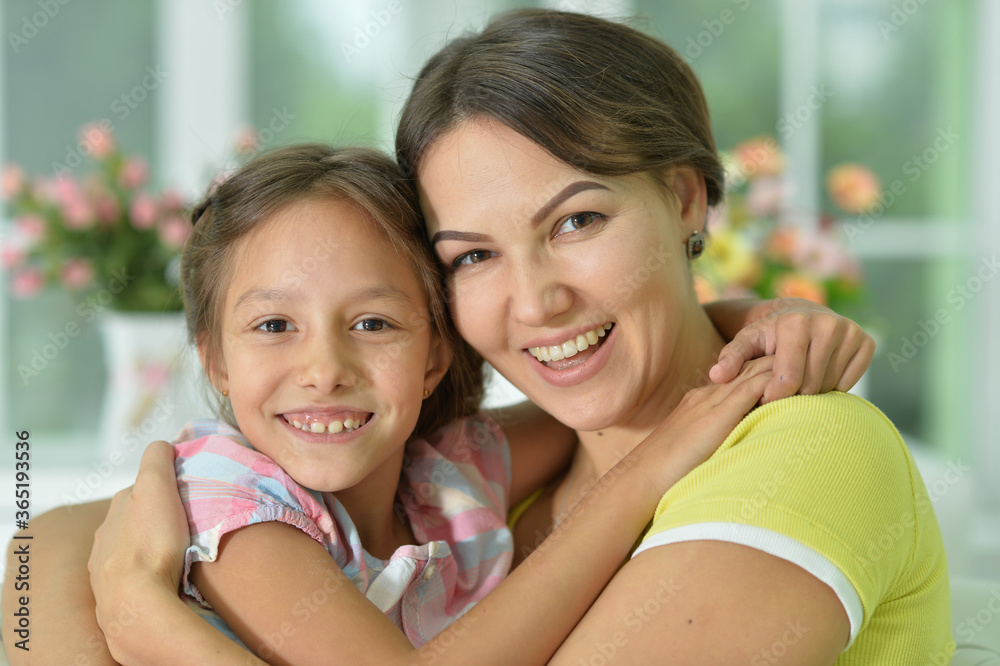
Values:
[(571, 347), (332, 428)]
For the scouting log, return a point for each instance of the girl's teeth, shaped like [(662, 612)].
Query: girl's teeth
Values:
[(333, 428)]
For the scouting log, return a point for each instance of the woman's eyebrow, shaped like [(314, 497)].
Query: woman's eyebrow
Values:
[(561, 196), (536, 219), (459, 236)]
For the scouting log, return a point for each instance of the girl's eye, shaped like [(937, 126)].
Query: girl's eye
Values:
[(275, 326), (370, 325), (578, 221), (473, 257)]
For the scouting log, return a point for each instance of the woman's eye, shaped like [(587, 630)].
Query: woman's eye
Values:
[(370, 325), (578, 221), (473, 257), (275, 326)]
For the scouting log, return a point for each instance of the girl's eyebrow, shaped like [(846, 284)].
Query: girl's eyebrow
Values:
[(258, 295), (373, 293)]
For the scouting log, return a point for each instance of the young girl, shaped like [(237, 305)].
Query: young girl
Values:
[(318, 317)]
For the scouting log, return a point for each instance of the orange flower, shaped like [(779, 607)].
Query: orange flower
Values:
[(795, 285), (854, 188), (760, 156)]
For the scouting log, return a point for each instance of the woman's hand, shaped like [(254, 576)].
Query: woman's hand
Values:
[(816, 350), (139, 548)]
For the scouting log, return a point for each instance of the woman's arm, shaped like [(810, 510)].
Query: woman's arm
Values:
[(261, 588), (63, 628), (816, 349)]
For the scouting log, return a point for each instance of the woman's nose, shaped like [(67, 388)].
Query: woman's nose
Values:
[(539, 293), (326, 364)]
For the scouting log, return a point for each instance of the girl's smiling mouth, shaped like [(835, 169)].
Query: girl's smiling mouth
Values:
[(332, 423)]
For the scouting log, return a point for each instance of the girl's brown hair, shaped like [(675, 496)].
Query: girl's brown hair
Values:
[(600, 96), (265, 185)]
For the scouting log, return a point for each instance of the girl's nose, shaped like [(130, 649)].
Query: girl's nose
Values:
[(327, 364)]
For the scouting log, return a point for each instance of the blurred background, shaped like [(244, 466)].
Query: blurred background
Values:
[(169, 92)]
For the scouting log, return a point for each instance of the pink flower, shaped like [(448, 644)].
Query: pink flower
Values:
[(854, 188), (174, 230), (97, 139), (172, 200), (31, 227), (27, 282), (77, 274), (134, 174), (765, 196), (107, 206), (11, 255), (143, 212), (65, 191), (783, 243), (11, 181), (246, 140), (78, 215), (819, 254), (760, 156)]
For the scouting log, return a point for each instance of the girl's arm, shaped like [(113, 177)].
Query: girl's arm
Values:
[(283, 594), (62, 626), (816, 349)]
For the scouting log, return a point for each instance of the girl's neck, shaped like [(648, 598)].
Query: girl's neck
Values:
[(371, 504)]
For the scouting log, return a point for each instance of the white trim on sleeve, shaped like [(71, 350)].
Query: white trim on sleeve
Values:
[(776, 544)]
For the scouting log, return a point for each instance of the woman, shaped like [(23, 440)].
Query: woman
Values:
[(565, 165)]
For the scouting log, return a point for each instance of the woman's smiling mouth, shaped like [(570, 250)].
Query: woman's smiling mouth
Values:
[(570, 348)]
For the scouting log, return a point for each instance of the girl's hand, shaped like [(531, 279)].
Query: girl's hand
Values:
[(703, 419), (816, 350), (140, 546)]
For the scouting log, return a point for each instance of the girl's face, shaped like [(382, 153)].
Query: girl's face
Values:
[(326, 345), (575, 287)]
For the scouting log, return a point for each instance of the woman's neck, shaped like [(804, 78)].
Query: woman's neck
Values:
[(693, 354)]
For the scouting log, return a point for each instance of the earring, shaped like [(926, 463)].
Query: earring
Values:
[(225, 393), (427, 392), (695, 244)]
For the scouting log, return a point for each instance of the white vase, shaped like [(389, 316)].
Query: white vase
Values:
[(153, 383)]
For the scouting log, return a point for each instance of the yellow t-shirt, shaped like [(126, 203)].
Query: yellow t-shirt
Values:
[(827, 483)]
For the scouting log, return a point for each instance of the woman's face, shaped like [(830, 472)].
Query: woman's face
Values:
[(575, 287)]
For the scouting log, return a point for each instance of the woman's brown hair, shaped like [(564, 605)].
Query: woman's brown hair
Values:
[(600, 96), (274, 180)]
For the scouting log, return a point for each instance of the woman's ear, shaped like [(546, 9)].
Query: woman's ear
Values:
[(690, 192), (210, 361), (438, 361)]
